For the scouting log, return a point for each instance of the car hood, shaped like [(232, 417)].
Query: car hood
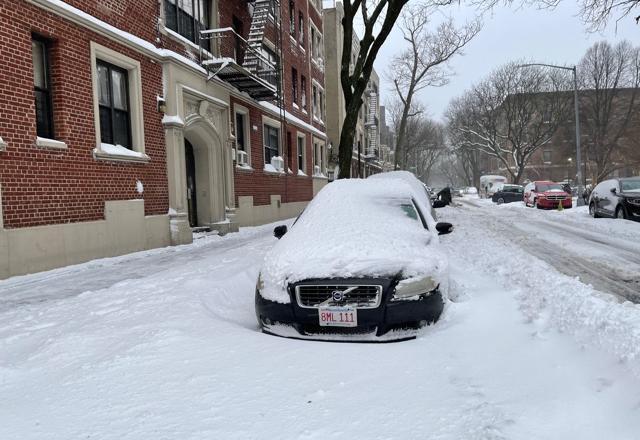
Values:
[(354, 228), (555, 192)]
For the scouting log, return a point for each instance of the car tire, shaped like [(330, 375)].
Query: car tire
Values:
[(620, 214), (500, 201), (592, 210), (535, 204)]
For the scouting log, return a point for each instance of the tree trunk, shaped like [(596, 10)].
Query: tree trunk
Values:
[(347, 136)]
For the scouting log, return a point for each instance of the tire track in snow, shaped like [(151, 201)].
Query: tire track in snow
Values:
[(537, 237)]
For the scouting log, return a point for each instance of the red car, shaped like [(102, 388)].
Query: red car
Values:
[(545, 194)]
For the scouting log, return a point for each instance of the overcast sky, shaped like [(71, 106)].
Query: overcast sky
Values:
[(552, 36)]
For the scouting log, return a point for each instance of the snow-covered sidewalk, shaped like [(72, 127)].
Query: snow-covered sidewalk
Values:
[(169, 350)]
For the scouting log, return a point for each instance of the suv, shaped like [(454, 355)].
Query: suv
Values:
[(546, 194), (507, 194), (618, 198)]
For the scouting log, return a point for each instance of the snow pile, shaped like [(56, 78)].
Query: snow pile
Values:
[(354, 228), (119, 150), (548, 297)]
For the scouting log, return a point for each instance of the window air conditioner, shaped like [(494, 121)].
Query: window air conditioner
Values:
[(241, 157), (277, 162)]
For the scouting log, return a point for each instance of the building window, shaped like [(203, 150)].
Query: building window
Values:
[(271, 142), (238, 50), (292, 18), (303, 96), (113, 99), (316, 43), (187, 17), (314, 100), (269, 72), (241, 141), (546, 156), (294, 84), (301, 29), (301, 148), (42, 87)]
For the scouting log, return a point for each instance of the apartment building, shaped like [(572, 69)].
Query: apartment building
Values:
[(126, 125)]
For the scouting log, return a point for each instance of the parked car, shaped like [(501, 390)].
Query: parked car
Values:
[(489, 184), (471, 190), (617, 198), (508, 193), (373, 269), (545, 194)]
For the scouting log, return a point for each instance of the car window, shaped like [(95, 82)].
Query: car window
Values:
[(409, 210), (631, 185), (542, 187)]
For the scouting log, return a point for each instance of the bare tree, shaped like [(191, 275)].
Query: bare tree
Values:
[(463, 144), (425, 62), (427, 140), (609, 77), (597, 13), (378, 18), (512, 114)]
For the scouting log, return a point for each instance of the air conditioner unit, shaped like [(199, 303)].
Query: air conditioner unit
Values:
[(278, 163), (233, 154), (316, 170), (241, 157)]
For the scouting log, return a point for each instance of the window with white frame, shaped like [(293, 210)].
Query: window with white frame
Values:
[(303, 92), (317, 102), (301, 28), (187, 17), (271, 135), (318, 157), (317, 49), (243, 139), (301, 146), (118, 109)]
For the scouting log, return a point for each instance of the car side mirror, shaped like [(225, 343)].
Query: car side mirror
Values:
[(439, 204), (613, 190), (279, 231), (444, 228)]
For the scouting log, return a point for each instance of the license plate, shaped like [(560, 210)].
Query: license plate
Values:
[(338, 316)]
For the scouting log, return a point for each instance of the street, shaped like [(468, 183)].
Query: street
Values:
[(163, 344)]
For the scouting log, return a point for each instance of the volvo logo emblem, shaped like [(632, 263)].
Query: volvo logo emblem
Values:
[(337, 296)]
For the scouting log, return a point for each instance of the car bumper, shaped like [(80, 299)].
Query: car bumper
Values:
[(391, 321), (633, 212), (552, 204)]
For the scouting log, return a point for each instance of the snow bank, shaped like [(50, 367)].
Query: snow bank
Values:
[(354, 228), (549, 297)]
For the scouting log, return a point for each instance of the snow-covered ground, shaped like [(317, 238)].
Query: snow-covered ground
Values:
[(163, 345)]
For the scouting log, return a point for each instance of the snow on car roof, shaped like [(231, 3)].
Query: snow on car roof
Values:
[(354, 228)]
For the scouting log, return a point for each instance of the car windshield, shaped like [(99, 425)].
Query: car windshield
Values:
[(409, 210), (630, 185), (542, 187)]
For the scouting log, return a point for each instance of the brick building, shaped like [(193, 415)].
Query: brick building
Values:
[(123, 124)]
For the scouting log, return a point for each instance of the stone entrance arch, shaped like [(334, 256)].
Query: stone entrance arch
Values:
[(203, 125), (208, 158)]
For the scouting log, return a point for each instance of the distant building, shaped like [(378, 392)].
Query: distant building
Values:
[(366, 142)]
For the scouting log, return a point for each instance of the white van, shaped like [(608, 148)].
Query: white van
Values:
[(490, 184)]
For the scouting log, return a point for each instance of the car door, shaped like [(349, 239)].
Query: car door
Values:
[(516, 194), (609, 200)]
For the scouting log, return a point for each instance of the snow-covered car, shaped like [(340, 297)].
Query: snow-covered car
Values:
[(362, 262), (471, 190), (507, 194), (545, 194), (618, 198)]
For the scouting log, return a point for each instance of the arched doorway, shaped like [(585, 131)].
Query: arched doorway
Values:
[(192, 199)]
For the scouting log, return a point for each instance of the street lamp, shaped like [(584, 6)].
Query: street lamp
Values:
[(575, 96)]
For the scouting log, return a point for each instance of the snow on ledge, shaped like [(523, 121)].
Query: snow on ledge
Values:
[(268, 168), (301, 173), (118, 152), (292, 118), (50, 143), (175, 121)]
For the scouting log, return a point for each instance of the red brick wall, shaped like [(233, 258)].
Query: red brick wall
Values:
[(261, 185), (41, 186)]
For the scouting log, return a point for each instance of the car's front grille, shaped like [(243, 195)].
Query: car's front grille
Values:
[(361, 297), (555, 197), (634, 201)]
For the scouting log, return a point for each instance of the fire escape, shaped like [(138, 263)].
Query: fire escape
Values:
[(247, 65), (372, 125)]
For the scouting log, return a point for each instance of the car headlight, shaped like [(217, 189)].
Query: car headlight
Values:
[(413, 288)]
